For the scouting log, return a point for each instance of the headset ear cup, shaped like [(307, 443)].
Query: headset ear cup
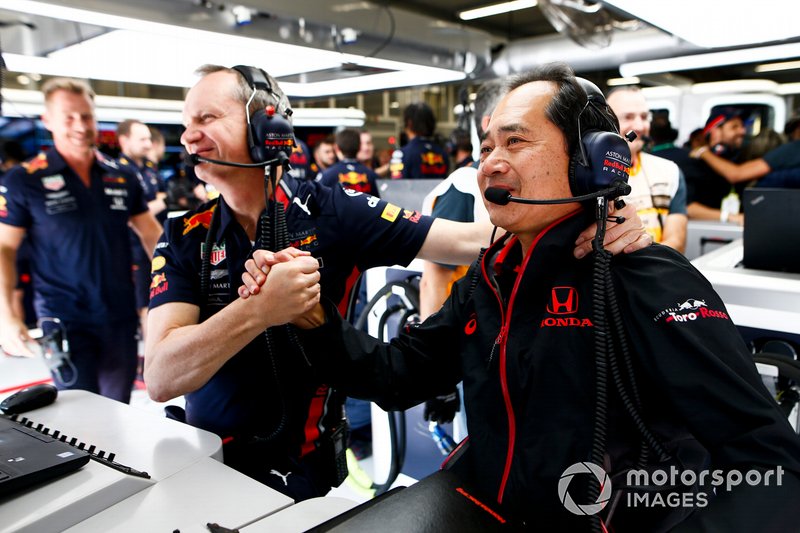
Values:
[(270, 134), (608, 160)]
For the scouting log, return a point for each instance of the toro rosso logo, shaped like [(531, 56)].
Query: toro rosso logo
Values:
[(688, 311)]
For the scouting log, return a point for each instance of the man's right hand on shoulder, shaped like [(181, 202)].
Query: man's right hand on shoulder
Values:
[(14, 337)]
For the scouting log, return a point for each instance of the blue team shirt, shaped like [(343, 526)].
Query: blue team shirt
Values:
[(422, 159), (351, 174), (78, 236), (346, 229)]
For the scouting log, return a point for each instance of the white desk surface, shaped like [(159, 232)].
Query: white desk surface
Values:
[(301, 516), (205, 492), (754, 298)]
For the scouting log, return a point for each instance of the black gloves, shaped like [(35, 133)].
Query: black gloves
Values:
[(442, 409)]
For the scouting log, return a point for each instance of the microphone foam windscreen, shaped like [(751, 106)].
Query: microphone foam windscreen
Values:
[(497, 196), (189, 160)]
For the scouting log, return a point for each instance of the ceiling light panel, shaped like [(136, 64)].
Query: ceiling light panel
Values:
[(717, 24)]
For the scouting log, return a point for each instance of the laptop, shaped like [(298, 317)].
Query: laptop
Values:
[(772, 229), (28, 457)]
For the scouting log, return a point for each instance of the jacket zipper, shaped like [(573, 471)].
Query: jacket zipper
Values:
[(502, 341)]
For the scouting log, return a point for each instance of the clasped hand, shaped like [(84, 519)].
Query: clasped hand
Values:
[(292, 276)]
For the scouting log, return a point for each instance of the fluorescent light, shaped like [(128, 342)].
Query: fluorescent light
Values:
[(711, 60), (715, 24), (613, 82), (18, 102), (127, 55), (735, 86), (772, 67), (789, 88), (496, 9)]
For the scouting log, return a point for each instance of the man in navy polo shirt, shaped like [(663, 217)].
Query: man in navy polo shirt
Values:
[(254, 389), (135, 142), (74, 204), (421, 158), (348, 171)]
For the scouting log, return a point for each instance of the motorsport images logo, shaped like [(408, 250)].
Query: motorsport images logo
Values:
[(663, 488), (584, 468)]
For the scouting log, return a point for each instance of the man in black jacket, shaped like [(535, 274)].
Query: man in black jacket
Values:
[(519, 329)]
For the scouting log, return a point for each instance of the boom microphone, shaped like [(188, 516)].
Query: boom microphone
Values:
[(191, 160), (503, 197)]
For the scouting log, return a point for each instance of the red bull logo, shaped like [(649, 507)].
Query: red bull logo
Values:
[(157, 280), (304, 241), (432, 158), (158, 284), (352, 178), (37, 163), (433, 164), (199, 219)]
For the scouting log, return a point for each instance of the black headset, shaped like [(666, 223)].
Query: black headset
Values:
[(268, 130), (600, 157)]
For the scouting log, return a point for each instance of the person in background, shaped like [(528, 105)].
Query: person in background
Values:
[(366, 150), (324, 155), (518, 330), (710, 195), (696, 139), (136, 142), (420, 158), (460, 146), (456, 198), (777, 165), (75, 205), (348, 171), (657, 188), (12, 155), (158, 147)]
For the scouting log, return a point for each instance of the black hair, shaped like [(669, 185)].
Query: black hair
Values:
[(349, 142), (419, 119), (569, 103)]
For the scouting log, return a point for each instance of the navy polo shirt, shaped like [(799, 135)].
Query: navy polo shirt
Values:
[(422, 159), (78, 236), (147, 175), (351, 174), (346, 229)]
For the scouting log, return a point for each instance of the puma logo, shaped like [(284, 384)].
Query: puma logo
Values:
[(286, 483), (303, 205)]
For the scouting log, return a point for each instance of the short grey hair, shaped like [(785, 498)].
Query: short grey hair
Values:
[(243, 91)]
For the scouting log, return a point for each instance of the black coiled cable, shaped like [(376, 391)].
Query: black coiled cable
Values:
[(608, 341)]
